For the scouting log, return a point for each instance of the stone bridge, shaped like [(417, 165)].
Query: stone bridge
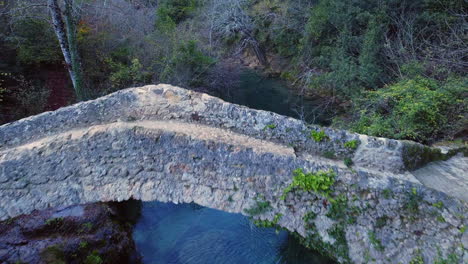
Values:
[(169, 144)]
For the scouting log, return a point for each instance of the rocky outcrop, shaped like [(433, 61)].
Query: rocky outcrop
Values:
[(169, 144), (91, 233)]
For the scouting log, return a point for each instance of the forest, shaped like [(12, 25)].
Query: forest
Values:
[(389, 68)]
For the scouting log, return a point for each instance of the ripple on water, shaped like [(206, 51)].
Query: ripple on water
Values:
[(191, 234)]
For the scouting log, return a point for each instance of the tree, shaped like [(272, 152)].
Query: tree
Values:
[(65, 28), (64, 25)]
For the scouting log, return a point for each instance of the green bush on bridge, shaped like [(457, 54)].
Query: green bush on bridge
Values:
[(319, 182)]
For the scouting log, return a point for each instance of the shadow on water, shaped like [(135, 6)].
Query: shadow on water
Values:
[(273, 94), (191, 234)]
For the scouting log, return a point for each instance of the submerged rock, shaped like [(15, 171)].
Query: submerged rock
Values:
[(94, 233)]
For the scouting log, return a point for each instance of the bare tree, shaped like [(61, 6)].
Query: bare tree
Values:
[(231, 21), (64, 23), (65, 27)]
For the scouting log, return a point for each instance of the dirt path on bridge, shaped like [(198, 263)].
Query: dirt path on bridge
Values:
[(450, 177)]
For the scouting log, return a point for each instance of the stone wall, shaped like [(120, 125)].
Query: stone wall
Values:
[(169, 144)]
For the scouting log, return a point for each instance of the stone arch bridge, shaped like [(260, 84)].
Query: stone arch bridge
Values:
[(169, 144)]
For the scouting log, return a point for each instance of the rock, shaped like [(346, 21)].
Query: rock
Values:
[(68, 235)]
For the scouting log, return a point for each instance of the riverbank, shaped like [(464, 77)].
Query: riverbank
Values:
[(92, 234)]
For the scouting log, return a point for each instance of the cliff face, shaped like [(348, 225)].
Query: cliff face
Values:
[(169, 144)]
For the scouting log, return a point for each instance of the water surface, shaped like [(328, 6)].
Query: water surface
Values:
[(190, 234), (273, 94)]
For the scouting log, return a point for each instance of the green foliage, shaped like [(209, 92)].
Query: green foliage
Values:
[(261, 206), (187, 62), (338, 208), (93, 258), (438, 205), (318, 136), (440, 219), (348, 162), (269, 224), (418, 259), (278, 25), (32, 49), (53, 254), (31, 97), (375, 242), (345, 40), (319, 182), (369, 68), (337, 231), (417, 109), (413, 198), (415, 156), (123, 75), (451, 259), (54, 221), (270, 126), (462, 229), (313, 240), (329, 154), (381, 221), (174, 11), (352, 144), (83, 245), (88, 226), (309, 216)]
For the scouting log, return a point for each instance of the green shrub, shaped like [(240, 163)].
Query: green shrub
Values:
[(338, 209), (93, 258), (124, 75), (83, 245), (319, 182), (53, 254), (32, 49), (186, 66), (462, 229), (172, 12), (352, 144), (31, 97), (261, 206), (318, 136), (348, 162), (417, 259), (266, 223), (413, 198), (438, 205), (417, 109), (329, 154), (270, 126)]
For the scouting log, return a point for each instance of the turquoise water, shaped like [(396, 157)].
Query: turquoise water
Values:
[(190, 234)]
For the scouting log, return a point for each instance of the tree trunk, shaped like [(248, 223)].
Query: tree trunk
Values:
[(66, 35)]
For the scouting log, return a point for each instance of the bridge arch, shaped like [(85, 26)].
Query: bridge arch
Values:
[(169, 144)]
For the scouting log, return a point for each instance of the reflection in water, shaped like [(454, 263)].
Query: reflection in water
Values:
[(272, 94), (191, 234)]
